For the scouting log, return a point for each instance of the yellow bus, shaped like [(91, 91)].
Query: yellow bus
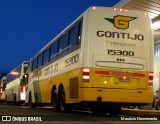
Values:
[(15, 85), (103, 60)]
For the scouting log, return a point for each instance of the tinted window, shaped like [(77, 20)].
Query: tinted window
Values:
[(40, 57), (46, 56), (72, 42), (14, 74), (78, 32), (60, 46), (34, 64), (54, 52), (65, 42)]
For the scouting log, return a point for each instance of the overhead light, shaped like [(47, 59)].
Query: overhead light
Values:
[(156, 25)]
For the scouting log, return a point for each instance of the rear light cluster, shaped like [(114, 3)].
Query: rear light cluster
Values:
[(150, 77), (22, 89), (86, 74), (1, 90)]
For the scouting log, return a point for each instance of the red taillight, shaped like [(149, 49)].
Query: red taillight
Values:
[(22, 89), (150, 78), (1, 90), (86, 74)]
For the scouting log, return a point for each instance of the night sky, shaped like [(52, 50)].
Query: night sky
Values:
[(26, 26)]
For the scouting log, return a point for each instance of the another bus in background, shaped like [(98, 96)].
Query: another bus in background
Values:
[(15, 86), (96, 62), (2, 89)]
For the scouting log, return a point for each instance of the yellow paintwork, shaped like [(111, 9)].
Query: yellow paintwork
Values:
[(108, 87)]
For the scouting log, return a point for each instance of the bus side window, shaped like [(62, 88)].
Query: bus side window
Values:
[(18, 70), (31, 65), (40, 62), (34, 64), (65, 43), (78, 32), (8, 78), (60, 49), (72, 41), (54, 52), (46, 56)]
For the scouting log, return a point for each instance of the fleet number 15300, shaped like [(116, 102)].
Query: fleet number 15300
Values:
[(120, 52)]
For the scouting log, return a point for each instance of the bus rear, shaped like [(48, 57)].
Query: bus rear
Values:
[(118, 57), (2, 89), (16, 86)]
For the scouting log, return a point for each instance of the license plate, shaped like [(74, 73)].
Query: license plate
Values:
[(124, 80)]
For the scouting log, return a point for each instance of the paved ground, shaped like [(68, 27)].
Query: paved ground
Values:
[(47, 115)]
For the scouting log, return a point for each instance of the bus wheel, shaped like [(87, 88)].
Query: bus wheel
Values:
[(14, 99), (98, 111), (55, 102), (18, 103), (63, 106), (114, 112), (7, 100), (30, 102)]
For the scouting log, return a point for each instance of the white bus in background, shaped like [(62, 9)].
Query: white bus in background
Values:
[(103, 60), (15, 85), (2, 89)]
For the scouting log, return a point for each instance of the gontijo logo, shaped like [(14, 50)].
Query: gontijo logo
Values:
[(121, 22)]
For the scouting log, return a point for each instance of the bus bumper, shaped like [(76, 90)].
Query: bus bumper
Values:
[(116, 95)]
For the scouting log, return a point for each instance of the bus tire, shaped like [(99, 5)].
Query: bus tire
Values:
[(66, 108), (114, 112), (32, 105), (14, 99), (54, 101), (98, 111), (6, 100), (18, 103)]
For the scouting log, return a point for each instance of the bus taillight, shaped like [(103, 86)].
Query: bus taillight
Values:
[(150, 77), (22, 92), (22, 89), (86, 74)]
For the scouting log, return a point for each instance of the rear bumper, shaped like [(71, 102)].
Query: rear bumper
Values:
[(2, 100), (116, 95)]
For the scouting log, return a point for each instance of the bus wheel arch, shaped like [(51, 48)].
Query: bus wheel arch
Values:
[(54, 99)]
